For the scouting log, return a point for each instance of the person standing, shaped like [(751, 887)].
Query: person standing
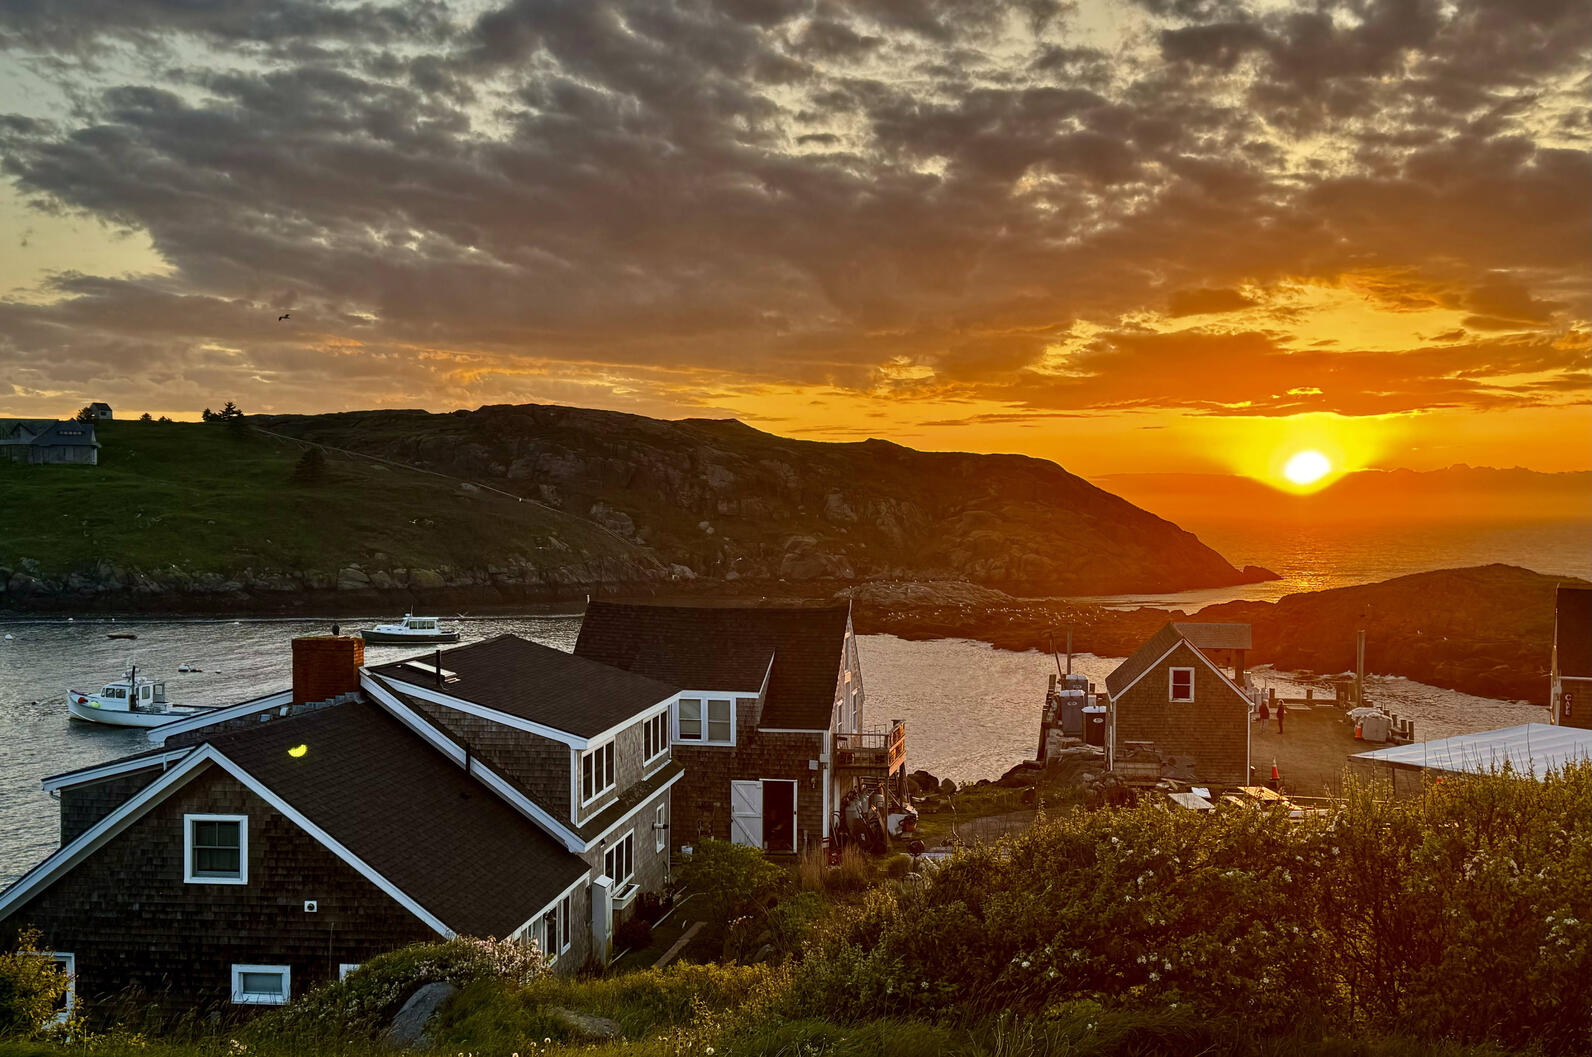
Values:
[(1282, 710), (1265, 714)]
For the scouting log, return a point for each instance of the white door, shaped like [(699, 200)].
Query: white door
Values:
[(746, 813)]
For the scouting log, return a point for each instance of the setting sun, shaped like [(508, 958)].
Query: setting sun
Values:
[(1307, 467)]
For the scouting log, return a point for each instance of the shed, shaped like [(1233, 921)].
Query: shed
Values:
[(1531, 749)]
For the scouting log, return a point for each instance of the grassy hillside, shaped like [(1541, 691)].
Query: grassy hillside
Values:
[(213, 498)]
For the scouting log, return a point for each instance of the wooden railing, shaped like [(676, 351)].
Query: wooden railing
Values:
[(873, 750)]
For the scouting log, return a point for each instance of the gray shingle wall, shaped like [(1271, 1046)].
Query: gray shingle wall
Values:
[(1213, 728), (83, 806), (539, 767)]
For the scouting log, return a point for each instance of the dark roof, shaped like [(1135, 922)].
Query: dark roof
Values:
[(1572, 630), (416, 818), (47, 432), (99, 405), (728, 648), (1143, 659), (536, 682), (1212, 636)]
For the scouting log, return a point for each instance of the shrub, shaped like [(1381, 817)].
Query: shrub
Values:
[(633, 934), (733, 879), (311, 467), (791, 920), (852, 874), (33, 991), (366, 1000)]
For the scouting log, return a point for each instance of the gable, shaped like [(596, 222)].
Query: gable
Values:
[(1179, 654)]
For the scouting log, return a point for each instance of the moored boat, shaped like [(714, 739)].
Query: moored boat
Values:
[(131, 701), (411, 629)]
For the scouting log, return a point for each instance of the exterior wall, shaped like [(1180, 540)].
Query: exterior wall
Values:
[(651, 866), (132, 923), (53, 454), (1213, 728), (848, 691), (1580, 691), (629, 747), (539, 767), (702, 797), (1396, 779), (82, 806)]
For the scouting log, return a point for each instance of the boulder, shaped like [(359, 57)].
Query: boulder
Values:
[(586, 1025), (408, 1030), (923, 782), (947, 787)]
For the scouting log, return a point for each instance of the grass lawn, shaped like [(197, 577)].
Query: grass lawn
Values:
[(217, 498)]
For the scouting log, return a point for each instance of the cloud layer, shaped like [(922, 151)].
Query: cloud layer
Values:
[(1362, 207)]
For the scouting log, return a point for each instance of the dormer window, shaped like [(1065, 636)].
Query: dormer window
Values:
[(596, 772), (706, 721), (1181, 684)]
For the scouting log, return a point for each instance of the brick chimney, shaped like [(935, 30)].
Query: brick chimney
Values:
[(325, 666)]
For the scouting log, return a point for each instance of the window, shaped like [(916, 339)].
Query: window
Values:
[(596, 772), (67, 963), (706, 721), (555, 935), (654, 736), (216, 849), (1182, 684), (261, 985), (619, 861), (660, 829)]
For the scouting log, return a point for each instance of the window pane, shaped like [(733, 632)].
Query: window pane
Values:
[(261, 983), (691, 720), (585, 778), (718, 721), (215, 860)]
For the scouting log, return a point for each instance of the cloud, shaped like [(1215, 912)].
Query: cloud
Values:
[(668, 199)]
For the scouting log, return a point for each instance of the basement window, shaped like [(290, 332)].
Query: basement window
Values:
[(216, 849), (261, 985), (1182, 684)]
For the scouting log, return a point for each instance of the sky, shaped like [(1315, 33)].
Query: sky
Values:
[(1136, 236)]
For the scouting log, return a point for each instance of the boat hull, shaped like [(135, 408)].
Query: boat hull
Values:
[(388, 638), (88, 713)]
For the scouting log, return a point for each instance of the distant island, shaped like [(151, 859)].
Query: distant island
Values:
[(504, 506)]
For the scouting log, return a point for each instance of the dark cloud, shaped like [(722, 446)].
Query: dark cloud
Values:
[(802, 192)]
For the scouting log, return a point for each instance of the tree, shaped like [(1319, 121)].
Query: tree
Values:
[(311, 468), (209, 415), (230, 411), (734, 879), (163, 418), (146, 417), (33, 990), (86, 414)]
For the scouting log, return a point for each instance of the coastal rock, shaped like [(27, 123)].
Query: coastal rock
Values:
[(586, 1025), (352, 578), (426, 578), (408, 1030)]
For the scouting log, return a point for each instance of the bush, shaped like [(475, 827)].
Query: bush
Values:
[(33, 991), (1466, 914), (311, 467), (634, 934), (366, 999), (733, 879)]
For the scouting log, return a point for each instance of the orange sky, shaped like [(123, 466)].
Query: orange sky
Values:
[(1130, 237)]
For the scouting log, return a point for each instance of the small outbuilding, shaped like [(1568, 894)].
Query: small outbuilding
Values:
[(48, 441), (1571, 704)]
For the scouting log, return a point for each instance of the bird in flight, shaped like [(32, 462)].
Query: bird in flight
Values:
[(283, 316)]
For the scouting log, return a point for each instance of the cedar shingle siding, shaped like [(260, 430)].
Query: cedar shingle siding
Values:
[(133, 923), (82, 806), (1213, 728)]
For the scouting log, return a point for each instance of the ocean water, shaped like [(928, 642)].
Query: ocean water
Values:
[(971, 711), (1318, 556)]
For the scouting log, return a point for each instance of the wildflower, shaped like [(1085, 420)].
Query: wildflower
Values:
[(1025, 965)]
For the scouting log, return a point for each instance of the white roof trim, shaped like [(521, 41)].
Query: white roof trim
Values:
[(112, 769), (549, 823), (565, 894), (630, 815), (333, 845), (71, 855), (508, 719), (158, 735), (1192, 649)]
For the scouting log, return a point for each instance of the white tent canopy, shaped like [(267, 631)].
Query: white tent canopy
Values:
[(1530, 748)]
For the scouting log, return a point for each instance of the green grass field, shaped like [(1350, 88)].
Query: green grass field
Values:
[(218, 498)]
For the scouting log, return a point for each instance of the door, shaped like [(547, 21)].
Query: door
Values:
[(779, 815), (746, 813)]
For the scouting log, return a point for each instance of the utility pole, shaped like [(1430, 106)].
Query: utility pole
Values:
[(1359, 669)]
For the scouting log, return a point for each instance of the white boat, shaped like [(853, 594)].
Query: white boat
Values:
[(410, 630), (131, 701), (185, 668)]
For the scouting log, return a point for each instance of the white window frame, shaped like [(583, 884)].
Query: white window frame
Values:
[(705, 701), (660, 827), (70, 968), (630, 860), (605, 753), (655, 728), (188, 874), (562, 915), (1171, 686), (344, 968), (241, 997)]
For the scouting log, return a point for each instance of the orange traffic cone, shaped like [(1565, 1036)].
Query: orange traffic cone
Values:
[(1274, 770)]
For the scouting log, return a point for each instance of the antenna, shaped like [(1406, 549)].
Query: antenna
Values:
[(1069, 649)]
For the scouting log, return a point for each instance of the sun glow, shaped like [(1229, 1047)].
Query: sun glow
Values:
[(1307, 467)]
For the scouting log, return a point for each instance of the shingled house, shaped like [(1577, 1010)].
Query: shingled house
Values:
[(46, 440), (498, 789), (1172, 698), (769, 721), (1571, 704)]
